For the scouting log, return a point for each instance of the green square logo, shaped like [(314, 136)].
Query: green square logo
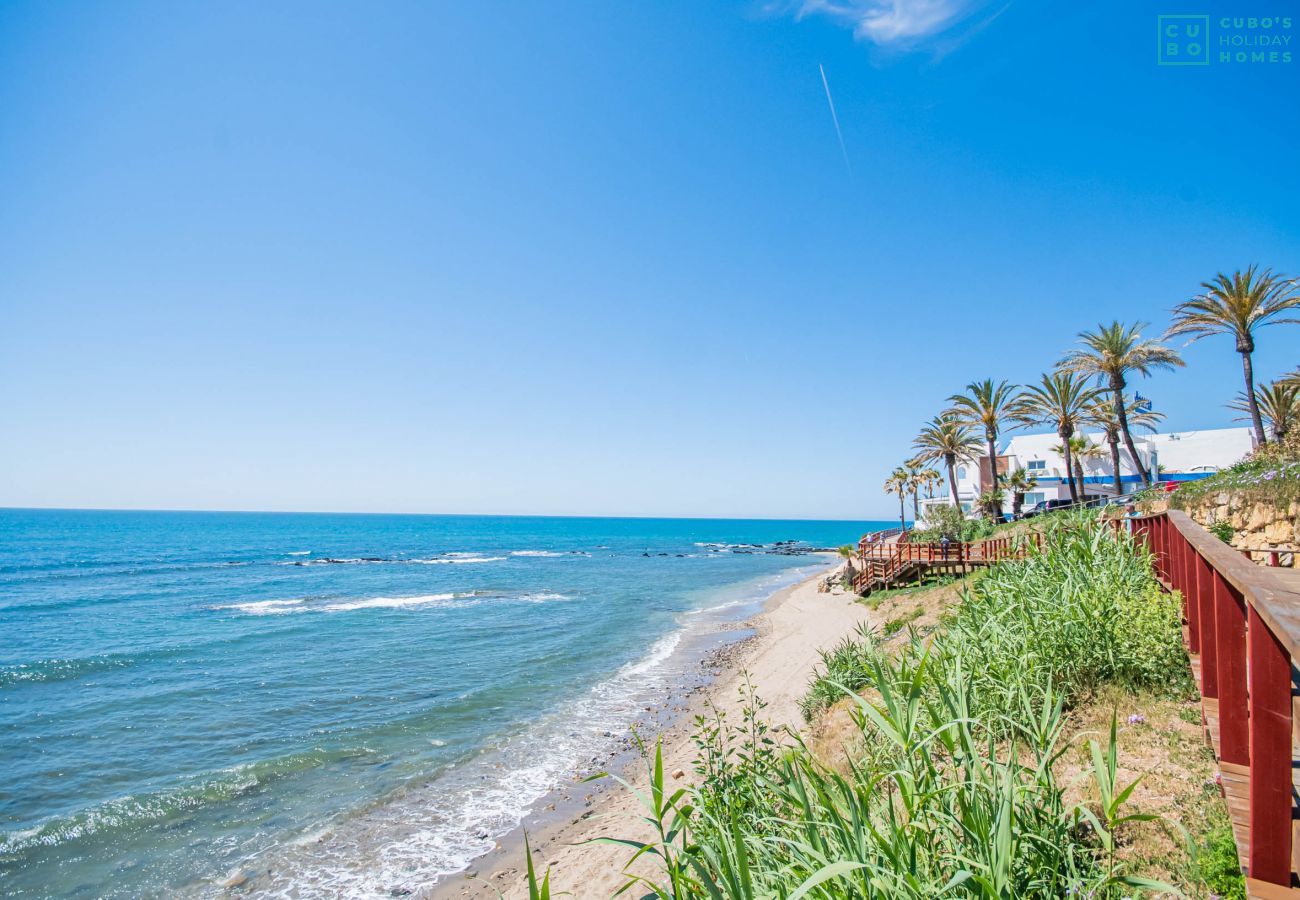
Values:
[(1182, 40)]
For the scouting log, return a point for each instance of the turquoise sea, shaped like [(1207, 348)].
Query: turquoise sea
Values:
[(336, 705)]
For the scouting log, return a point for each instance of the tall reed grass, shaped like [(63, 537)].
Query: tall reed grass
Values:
[(951, 790)]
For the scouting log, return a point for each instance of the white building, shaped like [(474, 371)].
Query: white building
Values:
[(1176, 456)]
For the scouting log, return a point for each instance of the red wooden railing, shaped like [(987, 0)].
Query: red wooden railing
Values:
[(1243, 634), (884, 562), (881, 537)]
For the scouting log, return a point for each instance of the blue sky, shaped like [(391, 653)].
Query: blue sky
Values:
[(592, 257)]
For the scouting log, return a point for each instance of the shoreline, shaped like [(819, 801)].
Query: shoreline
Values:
[(778, 655)]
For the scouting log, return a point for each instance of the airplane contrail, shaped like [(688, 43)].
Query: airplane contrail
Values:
[(836, 119)]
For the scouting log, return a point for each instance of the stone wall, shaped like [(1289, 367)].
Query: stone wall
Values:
[(1255, 525)]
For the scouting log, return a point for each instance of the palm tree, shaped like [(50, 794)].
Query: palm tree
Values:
[(1079, 447), (1084, 449), (1277, 403), (985, 405), (916, 481), (1061, 400), (1104, 415), (947, 440), (1110, 353), (927, 479), (897, 483), (1019, 483), (1237, 305)]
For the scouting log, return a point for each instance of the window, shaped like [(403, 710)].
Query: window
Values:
[(1037, 465), (961, 473), (1035, 497)]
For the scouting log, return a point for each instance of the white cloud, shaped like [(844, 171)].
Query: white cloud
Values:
[(892, 23)]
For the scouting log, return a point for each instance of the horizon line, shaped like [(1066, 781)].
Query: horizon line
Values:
[(296, 512)]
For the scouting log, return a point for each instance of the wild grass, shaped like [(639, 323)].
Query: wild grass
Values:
[(1265, 478), (952, 789)]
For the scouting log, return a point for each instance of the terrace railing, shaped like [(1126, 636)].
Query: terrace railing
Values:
[(881, 563), (881, 537), (1242, 629)]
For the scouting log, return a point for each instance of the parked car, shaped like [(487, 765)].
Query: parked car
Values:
[(1043, 506)]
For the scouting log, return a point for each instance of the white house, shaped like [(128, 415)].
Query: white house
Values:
[(1176, 456)]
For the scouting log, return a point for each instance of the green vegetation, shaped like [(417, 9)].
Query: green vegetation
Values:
[(985, 405), (1061, 400), (897, 624), (1111, 353), (1277, 404), (951, 788), (944, 439), (1107, 357), (1217, 865), (1223, 531), (1238, 305), (1262, 478), (899, 482), (951, 523)]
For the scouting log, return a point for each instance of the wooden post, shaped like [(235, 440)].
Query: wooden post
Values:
[(1205, 614), (1187, 585), (1162, 548), (1270, 754), (1230, 659)]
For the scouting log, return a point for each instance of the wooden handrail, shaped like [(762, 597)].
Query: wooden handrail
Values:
[(881, 562), (1277, 603), (1243, 634)]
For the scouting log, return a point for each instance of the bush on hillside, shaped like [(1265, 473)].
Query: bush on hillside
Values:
[(949, 522)]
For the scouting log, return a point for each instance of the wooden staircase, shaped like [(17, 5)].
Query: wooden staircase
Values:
[(885, 563)]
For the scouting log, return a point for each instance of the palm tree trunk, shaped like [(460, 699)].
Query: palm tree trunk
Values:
[(1078, 477), (902, 522), (916, 509), (1069, 467), (1122, 414), (1255, 419), (1113, 440), (1017, 501), (993, 513), (952, 481)]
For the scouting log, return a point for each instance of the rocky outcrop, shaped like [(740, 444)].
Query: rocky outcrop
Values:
[(833, 582), (1256, 524)]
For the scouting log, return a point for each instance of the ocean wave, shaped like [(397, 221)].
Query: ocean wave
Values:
[(445, 559), (460, 600), (134, 810), (264, 607), (549, 553), (426, 833), (385, 603)]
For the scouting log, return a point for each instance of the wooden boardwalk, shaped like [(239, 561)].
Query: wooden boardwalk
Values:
[(892, 561), (1242, 630)]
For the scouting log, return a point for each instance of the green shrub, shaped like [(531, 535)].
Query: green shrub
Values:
[(950, 522), (1223, 531), (1083, 611), (846, 666), (1217, 865)]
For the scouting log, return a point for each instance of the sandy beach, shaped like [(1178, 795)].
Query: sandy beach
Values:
[(795, 624)]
